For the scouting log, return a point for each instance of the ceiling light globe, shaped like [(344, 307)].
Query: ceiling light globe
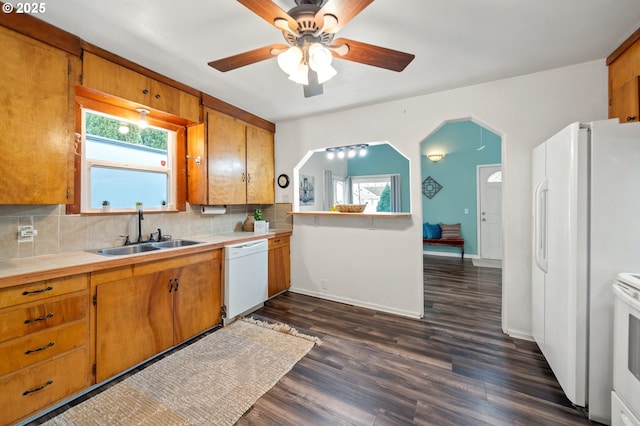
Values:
[(301, 74), (330, 155), (326, 73), (319, 57), (351, 153), (341, 154), (362, 152), (290, 59)]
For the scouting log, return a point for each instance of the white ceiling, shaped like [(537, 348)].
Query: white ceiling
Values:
[(456, 43)]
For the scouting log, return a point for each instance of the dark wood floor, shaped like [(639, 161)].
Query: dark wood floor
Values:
[(454, 367)]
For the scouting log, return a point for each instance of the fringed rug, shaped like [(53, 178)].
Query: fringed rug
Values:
[(210, 382)]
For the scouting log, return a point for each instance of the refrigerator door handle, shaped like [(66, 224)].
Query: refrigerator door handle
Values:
[(540, 223)]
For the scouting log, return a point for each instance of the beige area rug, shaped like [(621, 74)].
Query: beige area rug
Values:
[(210, 382)]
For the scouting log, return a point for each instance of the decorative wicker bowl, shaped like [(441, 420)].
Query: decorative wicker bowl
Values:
[(350, 208)]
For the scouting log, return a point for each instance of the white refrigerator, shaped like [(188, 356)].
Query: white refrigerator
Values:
[(586, 229)]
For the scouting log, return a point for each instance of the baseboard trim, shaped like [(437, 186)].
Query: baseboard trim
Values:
[(346, 300), (449, 254)]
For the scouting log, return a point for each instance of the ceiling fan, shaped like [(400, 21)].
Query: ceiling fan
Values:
[(309, 29)]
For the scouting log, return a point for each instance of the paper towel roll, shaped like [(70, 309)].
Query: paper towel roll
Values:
[(213, 210)]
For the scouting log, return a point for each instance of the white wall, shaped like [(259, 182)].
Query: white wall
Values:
[(387, 273)]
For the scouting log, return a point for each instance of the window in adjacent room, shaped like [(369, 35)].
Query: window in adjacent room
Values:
[(125, 164), (380, 193)]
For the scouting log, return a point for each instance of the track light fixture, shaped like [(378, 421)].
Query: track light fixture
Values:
[(348, 151)]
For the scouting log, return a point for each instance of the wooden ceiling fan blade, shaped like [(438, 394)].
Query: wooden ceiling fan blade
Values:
[(269, 11), (313, 88), (247, 58), (344, 10), (369, 54)]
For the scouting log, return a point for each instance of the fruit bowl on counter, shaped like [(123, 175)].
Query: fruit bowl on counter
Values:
[(350, 208)]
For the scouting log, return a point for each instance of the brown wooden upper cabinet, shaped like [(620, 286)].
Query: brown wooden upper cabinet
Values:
[(108, 77), (624, 76), (37, 139), (229, 162)]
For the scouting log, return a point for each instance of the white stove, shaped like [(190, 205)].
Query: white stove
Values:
[(625, 397)]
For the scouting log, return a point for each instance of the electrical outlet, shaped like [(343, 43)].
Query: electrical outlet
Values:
[(26, 233), (324, 284)]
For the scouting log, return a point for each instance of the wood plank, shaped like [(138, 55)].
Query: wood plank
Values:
[(455, 366)]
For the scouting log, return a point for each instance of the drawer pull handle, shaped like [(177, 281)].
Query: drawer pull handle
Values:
[(42, 318), (30, 351), (26, 293), (276, 241), (25, 393), (176, 281)]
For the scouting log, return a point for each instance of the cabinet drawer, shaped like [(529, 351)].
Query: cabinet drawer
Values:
[(32, 389), (28, 350), (42, 289), (23, 320), (278, 242)]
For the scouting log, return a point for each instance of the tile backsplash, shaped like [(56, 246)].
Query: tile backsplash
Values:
[(59, 232)]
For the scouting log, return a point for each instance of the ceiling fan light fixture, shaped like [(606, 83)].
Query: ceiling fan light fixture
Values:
[(319, 57), (326, 73), (289, 60), (301, 74)]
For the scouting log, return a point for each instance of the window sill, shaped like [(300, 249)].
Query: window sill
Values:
[(129, 212)]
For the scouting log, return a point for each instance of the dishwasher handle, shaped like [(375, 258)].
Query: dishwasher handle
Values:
[(250, 244)]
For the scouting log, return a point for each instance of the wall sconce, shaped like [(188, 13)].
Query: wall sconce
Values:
[(435, 156), (142, 123), (348, 151)]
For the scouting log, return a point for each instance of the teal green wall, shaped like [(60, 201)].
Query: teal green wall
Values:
[(456, 172), (382, 160)]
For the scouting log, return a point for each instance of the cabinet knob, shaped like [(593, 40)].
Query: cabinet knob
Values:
[(631, 118), (145, 91), (158, 96)]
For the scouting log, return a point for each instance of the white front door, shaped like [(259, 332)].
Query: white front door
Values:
[(490, 211)]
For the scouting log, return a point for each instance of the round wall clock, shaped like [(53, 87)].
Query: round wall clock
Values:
[(283, 181)]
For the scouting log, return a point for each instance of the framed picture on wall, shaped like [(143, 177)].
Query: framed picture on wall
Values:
[(307, 190)]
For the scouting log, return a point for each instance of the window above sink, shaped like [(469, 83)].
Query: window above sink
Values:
[(124, 164)]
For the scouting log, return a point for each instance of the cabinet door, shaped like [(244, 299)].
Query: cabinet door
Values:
[(107, 77), (134, 321), (226, 154), (164, 98), (197, 303), (260, 166), (625, 102), (37, 130), (196, 164), (279, 265)]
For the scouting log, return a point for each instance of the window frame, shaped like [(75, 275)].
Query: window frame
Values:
[(106, 104), (371, 178), (87, 164)]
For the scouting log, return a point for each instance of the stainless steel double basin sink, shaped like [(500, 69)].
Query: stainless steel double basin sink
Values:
[(145, 247)]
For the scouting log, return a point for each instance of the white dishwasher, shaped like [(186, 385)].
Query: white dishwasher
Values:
[(245, 278)]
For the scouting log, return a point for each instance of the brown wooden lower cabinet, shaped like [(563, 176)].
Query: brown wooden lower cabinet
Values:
[(279, 265), (144, 309), (44, 344)]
